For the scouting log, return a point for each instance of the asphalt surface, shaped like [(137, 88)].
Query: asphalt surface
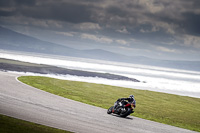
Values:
[(24, 102)]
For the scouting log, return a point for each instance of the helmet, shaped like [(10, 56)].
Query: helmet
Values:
[(131, 96)]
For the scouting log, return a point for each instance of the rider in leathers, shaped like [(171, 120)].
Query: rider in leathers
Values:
[(130, 99)]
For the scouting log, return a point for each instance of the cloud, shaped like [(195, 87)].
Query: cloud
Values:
[(190, 23), (164, 49), (66, 34), (101, 39), (170, 16), (88, 26), (9, 3), (123, 42), (123, 30), (191, 41), (153, 29), (62, 10), (153, 22)]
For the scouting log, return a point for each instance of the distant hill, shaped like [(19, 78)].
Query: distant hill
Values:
[(11, 40)]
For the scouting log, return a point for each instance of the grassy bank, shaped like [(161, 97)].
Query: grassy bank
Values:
[(13, 125), (170, 109)]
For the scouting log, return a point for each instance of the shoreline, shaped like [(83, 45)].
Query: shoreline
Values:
[(18, 66)]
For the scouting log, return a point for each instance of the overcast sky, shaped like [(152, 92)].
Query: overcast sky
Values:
[(168, 29)]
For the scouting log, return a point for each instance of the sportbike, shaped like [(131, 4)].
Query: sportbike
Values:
[(123, 109)]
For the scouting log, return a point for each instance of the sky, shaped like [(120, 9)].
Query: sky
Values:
[(164, 29)]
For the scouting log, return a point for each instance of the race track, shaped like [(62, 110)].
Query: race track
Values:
[(24, 102)]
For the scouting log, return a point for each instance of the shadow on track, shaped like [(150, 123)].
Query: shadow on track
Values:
[(128, 118)]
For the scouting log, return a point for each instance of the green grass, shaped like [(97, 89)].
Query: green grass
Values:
[(13, 125), (180, 111)]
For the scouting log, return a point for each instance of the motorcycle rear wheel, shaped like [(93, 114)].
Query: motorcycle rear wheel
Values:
[(125, 114)]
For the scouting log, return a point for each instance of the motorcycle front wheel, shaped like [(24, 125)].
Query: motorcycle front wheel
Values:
[(110, 110)]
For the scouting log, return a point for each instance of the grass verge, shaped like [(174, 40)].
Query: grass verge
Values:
[(13, 125), (180, 111)]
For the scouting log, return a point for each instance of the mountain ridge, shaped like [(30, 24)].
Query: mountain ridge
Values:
[(11, 40)]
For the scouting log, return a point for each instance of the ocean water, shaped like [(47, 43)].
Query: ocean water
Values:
[(173, 81)]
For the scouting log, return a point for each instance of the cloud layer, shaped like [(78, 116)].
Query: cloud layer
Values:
[(166, 28)]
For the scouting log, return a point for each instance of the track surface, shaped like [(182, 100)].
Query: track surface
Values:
[(24, 102)]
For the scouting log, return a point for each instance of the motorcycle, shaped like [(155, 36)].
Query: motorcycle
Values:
[(122, 110)]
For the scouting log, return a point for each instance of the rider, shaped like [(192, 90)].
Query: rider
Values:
[(130, 99)]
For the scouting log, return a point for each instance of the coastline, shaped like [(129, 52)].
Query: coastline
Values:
[(18, 66)]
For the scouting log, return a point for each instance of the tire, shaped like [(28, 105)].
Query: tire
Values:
[(128, 112), (110, 110)]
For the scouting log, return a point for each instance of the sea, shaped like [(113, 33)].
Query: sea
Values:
[(159, 79)]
